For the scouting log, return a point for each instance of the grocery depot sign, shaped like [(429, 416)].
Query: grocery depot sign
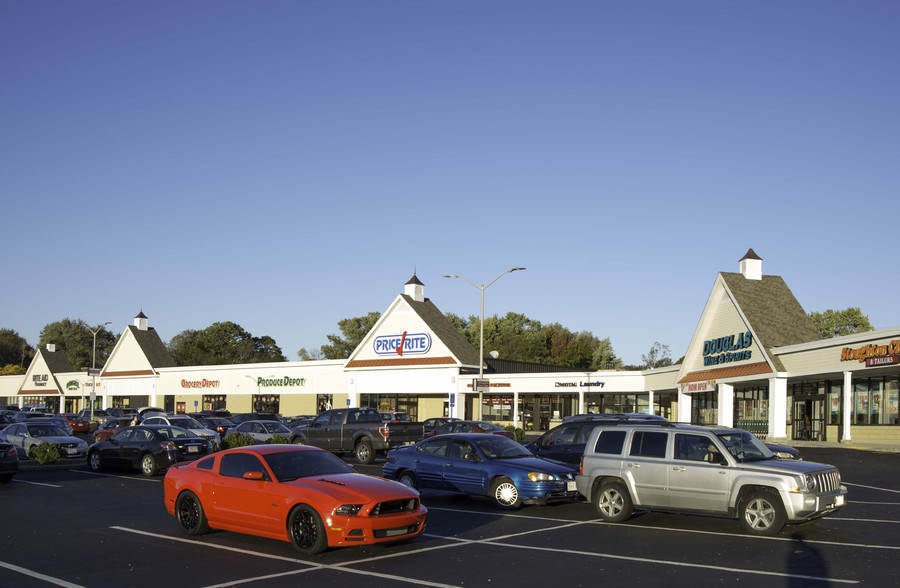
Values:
[(402, 344), (204, 383), (873, 355)]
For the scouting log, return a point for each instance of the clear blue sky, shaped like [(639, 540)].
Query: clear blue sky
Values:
[(284, 165)]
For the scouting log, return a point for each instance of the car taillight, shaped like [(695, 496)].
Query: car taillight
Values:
[(384, 431), (581, 466), (12, 452), (167, 445)]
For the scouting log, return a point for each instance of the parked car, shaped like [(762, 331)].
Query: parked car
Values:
[(78, 425), (303, 495), (26, 436), (98, 415), (220, 425), (481, 465), (396, 417), (122, 412), (433, 423), (185, 422), (9, 462), (714, 471), (262, 431), (54, 419), (566, 442), (10, 407), (471, 427), (149, 448), (223, 414), (111, 427), (359, 430), (254, 416), (296, 421), (27, 415)]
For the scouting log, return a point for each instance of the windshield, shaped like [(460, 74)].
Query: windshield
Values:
[(745, 447), (276, 428), (45, 431), (174, 432), (186, 422), (299, 463), (497, 447)]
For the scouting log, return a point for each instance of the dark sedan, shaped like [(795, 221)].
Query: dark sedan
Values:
[(9, 462), (111, 427), (471, 427), (481, 465), (149, 448), (433, 423)]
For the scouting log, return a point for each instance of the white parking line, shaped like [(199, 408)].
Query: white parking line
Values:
[(455, 542), (118, 476), (872, 487), (29, 573), (692, 531), (37, 483)]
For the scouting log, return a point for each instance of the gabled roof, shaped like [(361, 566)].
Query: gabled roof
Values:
[(444, 330), (57, 361), (772, 312), (154, 349)]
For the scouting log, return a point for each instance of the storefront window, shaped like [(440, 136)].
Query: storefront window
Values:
[(705, 409), (891, 385), (497, 408), (861, 402), (392, 403), (266, 403), (835, 388), (214, 402)]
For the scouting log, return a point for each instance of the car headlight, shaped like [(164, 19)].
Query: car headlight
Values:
[(811, 483), (348, 510), (541, 477)]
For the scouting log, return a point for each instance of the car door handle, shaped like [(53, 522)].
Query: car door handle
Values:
[(634, 465), (679, 468)]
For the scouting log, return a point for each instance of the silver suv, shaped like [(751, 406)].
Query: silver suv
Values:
[(714, 471)]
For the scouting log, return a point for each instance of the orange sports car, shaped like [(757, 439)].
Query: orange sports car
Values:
[(295, 493)]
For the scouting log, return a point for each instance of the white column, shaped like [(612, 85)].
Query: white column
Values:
[(726, 404), (650, 402), (684, 407), (580, 402), (778, 407), (847, 409), (516, 410)]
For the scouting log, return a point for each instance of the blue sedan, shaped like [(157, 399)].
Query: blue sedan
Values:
[(481, 465)]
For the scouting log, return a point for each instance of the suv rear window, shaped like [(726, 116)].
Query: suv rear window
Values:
[(649, 444), (610, 442)]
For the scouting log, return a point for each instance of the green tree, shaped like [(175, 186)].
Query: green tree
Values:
[(658, 356), (14, 349), (76, 340), (354, 331), (12, 370), (309, 354), (604, 356), (222, 343), (835, 323)]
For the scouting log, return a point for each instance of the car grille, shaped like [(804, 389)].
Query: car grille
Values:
[(396, 532), (68, 445), (828, 481), (395, 506)]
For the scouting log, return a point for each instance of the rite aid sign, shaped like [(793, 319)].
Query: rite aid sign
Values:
[(402, 344)]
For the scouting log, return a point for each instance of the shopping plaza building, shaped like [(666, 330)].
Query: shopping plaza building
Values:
[(755, 361)]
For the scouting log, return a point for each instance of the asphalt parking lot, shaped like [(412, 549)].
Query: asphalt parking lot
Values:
[(65, 526)]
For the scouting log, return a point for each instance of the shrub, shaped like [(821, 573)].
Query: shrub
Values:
[(235, 439), (520, 433), (45, 453), (278, 439)]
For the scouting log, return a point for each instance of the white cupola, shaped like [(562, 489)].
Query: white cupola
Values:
[(751, 266), (140, 321), (415, 289)]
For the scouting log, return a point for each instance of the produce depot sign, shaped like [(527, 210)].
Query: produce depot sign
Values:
[(402, 344), (727, 349), (873, 355), (280, 382)]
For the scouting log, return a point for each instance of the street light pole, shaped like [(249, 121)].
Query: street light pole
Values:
[(481, 339), (94, 366)]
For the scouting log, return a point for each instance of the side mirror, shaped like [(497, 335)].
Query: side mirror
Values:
[(254, 476)]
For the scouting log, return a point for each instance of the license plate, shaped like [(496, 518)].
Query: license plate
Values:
[(839, 500), (193, 449), (571, 487), (73, 452)]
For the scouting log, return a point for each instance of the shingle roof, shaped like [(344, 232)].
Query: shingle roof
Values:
[(772, 311), (56, 361), (154, 349), (444, 330)]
